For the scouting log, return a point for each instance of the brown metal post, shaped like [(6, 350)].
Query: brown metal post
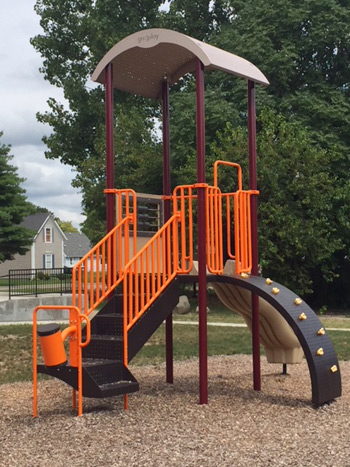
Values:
[(202, 262), (167, 214), (254, 228), (109, 145)]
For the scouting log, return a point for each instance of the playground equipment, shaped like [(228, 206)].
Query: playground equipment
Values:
[(124, 290)]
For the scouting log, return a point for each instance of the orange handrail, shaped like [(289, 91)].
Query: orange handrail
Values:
[(75, 346), (228, 164), (239, 203), (100, 271)]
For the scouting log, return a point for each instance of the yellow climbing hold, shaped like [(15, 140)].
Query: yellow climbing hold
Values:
[(302, 316), (320, 352), (268, 281), (334, 368), (298, 301), (321, 332), (244, 275), (275, 290)]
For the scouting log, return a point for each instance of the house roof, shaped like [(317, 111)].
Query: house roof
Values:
[(76, 245), (143, 60), (37, 221)]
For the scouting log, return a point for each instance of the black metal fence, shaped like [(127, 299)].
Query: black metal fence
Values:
[(39, 281)]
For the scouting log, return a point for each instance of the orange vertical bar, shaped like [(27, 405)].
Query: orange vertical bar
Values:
[(243, 233), (97, 260), (134, 221), (168, 249), (130, 311), (158, 264), (147, 275), (142, 279), (175, 248), (237, 236), (125, 331), (109, 270), (80, 373), (164, 256), (220, 233), (103, 278), (249, 235), (79, 287), (114, 257), (85, 287), (216, 231), (91, 280), (136, 282), (183, 229), (35, 370)]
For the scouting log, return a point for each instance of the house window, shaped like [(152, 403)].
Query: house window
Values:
[(48, 235), (48, 261)]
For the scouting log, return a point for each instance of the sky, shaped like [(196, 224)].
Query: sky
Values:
[(23, 93)]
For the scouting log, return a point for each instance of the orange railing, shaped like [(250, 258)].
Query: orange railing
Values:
[(183, 199), (75, 345), (238, 203), (215, 261), (100, 271), (146, 273), (168, 253)]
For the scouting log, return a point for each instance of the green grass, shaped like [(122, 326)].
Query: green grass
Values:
[(221, 341), (16, 353), (16, 344)]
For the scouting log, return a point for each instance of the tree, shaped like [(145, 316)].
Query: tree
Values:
[(303, 48), (66, 226), (78, 138), (13, 208), (298, 226)]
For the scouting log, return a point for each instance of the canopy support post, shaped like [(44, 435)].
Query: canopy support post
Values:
[(254, 233), (167, 213), (202, 263), (109, 145)]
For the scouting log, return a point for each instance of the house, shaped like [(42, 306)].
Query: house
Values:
[(51, 247), (76, 246), (46, 250)]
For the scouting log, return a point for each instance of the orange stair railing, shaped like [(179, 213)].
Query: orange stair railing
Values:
[(168, 253), (100, 271)]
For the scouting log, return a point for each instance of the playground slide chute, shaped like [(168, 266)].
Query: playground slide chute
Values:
[(276, 336), (285, 321)]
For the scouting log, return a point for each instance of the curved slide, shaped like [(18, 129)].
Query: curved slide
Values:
[(288, 328), (276, 336)]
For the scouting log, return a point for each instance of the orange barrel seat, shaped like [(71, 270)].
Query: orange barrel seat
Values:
[(51, 345)]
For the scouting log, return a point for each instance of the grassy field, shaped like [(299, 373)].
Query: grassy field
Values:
[(16, 343)]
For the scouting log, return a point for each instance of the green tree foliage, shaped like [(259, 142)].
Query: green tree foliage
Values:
[(13, 208), (66, 226), (76, 35), (303, 48), (298, 228)]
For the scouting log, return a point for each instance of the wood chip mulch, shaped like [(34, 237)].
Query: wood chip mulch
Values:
[(165, 425)]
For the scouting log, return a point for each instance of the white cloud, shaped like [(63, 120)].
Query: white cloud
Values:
[(24, 92)]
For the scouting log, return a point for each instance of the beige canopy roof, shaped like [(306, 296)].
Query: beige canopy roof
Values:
[(143, 60)]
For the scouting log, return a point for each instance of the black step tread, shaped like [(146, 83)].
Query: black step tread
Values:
[(117, 384), (87, 362), (107, 337), (119, 388)]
